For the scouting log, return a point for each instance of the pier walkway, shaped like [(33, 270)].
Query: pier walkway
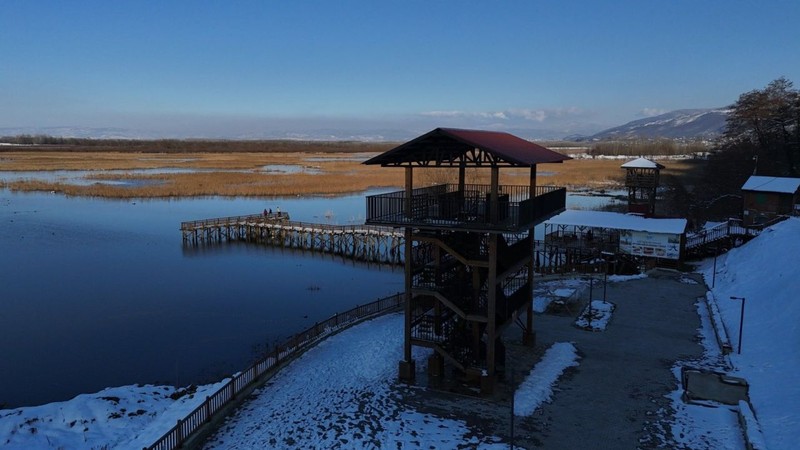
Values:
[(367, 243)]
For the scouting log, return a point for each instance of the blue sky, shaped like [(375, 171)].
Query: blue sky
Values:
[(261, 68)]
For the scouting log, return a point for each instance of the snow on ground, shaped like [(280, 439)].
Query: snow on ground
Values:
[(120, 417), (704, 427), (595, 317), (698, 426), (765, 272), (343, 393), (620, 278), (537, 388), (548, 291)]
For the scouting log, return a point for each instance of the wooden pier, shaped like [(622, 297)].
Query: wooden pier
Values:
[(367, 243)]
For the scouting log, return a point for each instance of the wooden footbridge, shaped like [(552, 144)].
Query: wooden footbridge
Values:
[(720, 238), (367, 243)]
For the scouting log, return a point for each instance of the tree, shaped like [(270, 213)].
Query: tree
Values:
[(768, 120), (762, 137)]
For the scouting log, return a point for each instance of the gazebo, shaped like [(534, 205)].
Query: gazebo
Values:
[(468, 247), (641, 179)]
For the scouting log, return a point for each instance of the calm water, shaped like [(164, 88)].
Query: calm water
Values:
[(99, 293)]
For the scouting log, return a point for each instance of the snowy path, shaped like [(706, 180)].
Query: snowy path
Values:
[(343, 394)]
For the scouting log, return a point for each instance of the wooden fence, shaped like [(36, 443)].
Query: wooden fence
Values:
[(180, 433)]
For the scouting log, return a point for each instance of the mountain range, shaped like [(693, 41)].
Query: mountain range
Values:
[(679, 124)]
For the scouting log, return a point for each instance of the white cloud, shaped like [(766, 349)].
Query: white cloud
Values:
[(466, 114), (536, 115), (524, 114), (650, 112)]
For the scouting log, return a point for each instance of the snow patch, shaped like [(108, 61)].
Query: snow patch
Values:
[(595, 316), (537, 388)]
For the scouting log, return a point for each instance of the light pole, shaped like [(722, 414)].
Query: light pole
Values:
[(741, 323), (607, 258), (714, 273), (591, 285)]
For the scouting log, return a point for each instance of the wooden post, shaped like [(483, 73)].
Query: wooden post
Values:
[(179, 430), (528, 337), (462, 176), (409, 190), (495, 187), (492, 307)]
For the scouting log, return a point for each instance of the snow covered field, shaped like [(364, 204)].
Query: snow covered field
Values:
[(129, 417), (765, 272), (321, 402)]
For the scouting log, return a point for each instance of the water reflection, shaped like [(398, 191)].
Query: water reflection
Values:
[(291, 168), (101, 293)]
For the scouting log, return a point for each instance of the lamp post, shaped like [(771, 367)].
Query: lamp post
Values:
[(714, 273), (741, 322), (591, 285), (607, 258)]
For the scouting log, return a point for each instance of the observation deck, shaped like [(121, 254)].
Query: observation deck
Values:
[(467, 207)]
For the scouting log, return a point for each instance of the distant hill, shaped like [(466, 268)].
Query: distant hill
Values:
[(682, 123)]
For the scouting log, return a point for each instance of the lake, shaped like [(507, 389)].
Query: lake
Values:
[(100, 293)]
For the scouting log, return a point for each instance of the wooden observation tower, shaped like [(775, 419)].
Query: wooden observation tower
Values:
[(641, 180), (468, 247)]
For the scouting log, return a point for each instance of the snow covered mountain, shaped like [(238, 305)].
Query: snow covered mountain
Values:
[(682, 123)]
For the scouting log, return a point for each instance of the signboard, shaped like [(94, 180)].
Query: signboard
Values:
[(654, 245)]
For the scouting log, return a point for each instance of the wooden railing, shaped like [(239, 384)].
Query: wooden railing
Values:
[(450, 206), (180, 433), (282, 220), (221, 221), (731, 228)]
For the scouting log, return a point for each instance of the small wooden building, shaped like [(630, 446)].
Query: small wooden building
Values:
[(641, 179), (765, 198), (469, 247)]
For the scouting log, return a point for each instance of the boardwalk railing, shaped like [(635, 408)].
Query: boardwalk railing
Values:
[(451, 206), (369, 243), (725, 230), (182, 431)]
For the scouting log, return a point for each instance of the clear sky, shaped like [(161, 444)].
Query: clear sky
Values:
[(257, 68)]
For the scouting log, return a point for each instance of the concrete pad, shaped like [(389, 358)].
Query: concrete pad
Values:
[(718, 387)]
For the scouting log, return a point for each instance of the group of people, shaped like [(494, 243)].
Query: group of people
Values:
[(268, 212)]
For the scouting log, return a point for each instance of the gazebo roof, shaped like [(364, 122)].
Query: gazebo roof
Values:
[(642, 163), (449, 146)]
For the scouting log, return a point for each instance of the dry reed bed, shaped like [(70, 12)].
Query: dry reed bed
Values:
[(41, 160), (242, 174)]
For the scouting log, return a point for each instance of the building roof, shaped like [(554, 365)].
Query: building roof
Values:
[(642, 163), (618, 221), (450, 146), (782, 185)]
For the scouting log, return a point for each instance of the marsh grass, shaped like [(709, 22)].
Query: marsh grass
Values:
[(242, 174)]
